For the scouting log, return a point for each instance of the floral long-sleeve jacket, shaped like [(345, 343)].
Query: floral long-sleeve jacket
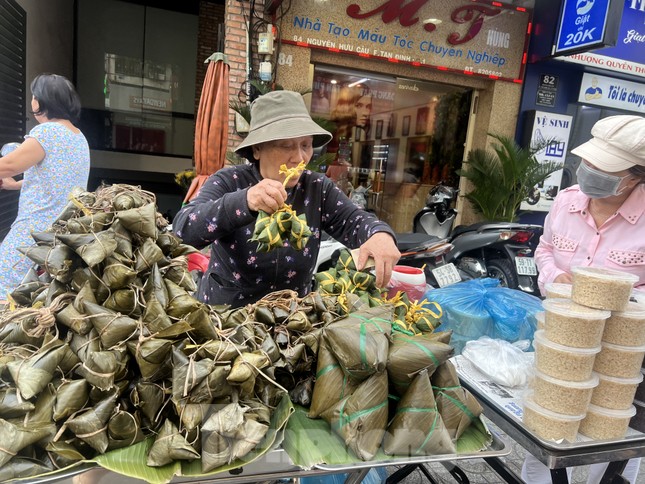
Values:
[(238, 274)]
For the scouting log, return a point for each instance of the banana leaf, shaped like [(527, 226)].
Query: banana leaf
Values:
[(187, 373), (15, 437), (149, 397), (191, 415), (124, 301), (112, 328), (90, 223), (124, 429), (360, 341), (150, 355), (58, 261), (91, 425), (147, 255), (180, 303), (408, 355), (83, 275), (93, 247), (417, 427), (155, 286), (361, 418), (71, 396), (118, 271), (11, 406), (332, 384), (22, 467), (123, 240), (310, 442), (155, 315), (63, 454), (168, 242), (33, 374), (99, 368), (140, 220), (177, 272), (14, 333)]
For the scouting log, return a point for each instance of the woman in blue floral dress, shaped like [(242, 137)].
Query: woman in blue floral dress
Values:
[(54, 159)]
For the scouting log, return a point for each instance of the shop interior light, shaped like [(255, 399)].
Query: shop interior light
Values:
[(357, 83)]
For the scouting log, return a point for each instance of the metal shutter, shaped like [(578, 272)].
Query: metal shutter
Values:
[(13, 39)]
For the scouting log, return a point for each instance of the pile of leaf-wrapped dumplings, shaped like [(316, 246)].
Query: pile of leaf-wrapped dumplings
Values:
[(105, 346)]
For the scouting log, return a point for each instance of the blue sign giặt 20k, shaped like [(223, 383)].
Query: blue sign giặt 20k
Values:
[(582, 24)]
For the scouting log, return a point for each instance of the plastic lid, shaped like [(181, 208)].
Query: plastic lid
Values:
[(605, 274), (610, 412), (567, 308), (540, 316), (622, 381), (559, 288), (627, 349), (635, 310), (578, 385), (528, 402), (540, 338)]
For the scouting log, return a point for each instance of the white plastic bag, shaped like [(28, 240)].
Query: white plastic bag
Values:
[(503, 362)]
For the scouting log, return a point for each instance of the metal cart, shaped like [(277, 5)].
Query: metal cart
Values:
[(503, 407)]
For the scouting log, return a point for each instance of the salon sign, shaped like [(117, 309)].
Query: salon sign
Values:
[(612, 93), (555, 127), (469, 37)]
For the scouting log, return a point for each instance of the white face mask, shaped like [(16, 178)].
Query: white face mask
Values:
[(596, 184)]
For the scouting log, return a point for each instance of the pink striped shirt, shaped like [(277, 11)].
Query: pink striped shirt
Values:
[(572, 239)]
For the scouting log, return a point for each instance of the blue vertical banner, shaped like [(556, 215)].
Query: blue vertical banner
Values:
[(584, 25)]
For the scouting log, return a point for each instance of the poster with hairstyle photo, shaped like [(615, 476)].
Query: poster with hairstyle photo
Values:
[(422, 120), (391, 126), (379, 129), (405, 129)]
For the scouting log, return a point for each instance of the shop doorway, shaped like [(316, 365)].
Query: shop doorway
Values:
[(394, 138)]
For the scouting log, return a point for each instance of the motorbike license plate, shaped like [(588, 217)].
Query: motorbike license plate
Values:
[(525, 266), (446, 275)]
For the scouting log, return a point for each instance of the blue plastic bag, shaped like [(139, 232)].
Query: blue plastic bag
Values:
[(481, 307)]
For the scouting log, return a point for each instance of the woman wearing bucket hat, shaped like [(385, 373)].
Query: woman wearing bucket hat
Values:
[(224, 213), (599, 222)]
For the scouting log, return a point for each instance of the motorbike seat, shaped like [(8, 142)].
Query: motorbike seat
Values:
[(408, 241), (462, 229)]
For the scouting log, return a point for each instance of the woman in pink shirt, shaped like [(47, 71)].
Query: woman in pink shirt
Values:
[(599, 222)]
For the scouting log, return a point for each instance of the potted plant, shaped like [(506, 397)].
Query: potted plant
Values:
[(503, 178)]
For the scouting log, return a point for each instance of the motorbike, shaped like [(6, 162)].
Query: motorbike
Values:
[(417, 250), (501, 250)]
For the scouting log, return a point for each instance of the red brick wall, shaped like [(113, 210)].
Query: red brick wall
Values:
[(236, 50), (210, 15)]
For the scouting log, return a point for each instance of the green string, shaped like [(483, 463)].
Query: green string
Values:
[(327, 369), (423, 349), (430, 432), (346, 419), (363, 343), (460, 405)]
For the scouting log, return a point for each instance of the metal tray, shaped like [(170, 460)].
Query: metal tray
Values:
[(272, 466), (497, 448)]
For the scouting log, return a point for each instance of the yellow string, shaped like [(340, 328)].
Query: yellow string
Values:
[(291, 172)]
